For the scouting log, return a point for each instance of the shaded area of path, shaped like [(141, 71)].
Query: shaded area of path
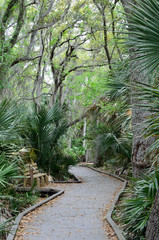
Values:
[(78, 214)]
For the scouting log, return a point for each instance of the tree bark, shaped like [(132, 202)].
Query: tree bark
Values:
[(152, 231), (84, 132), (139, 147), (140, 144), (101, 9)]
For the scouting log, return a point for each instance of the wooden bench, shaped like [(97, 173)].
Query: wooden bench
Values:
[(32, 174)]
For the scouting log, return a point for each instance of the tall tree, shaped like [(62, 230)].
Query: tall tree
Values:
[(21, 23), (7, 41), (145, 37), (106, 7), (140, 144)]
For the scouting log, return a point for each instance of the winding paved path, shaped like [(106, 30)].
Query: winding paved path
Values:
[(78, 213)]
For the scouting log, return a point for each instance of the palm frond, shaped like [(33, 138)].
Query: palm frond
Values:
[(143, 36), (136, 209), (43, 132), (7, 171), (9, 122)]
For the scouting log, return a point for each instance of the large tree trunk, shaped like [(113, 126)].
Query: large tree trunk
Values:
[(140, 144), (152, 231), (139, 115), (139, 148)]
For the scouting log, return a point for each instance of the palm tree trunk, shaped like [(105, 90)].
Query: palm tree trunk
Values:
[(139, 147), (140, 144)]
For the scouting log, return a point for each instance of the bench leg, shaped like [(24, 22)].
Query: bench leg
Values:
[(25, 182), (42, 181), (46, 180), (38, 182)]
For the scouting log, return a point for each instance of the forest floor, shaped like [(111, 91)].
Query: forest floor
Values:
[(78, 214)]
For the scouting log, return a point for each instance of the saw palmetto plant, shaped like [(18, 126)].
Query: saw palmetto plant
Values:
[(143, 40), (113, 142), (135, 210), (9, 122), (7, 171), (143, 35), (43, 131)]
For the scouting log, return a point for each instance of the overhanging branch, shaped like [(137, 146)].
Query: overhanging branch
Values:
[(78, 119), (23, 59), (82, 67)]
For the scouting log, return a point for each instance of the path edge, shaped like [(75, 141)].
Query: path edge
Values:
[(78, 180), (108, 217), (28, 210)]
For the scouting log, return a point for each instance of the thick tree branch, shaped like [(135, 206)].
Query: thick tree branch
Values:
[(78, 119), (58, 83), (23, 59), (113, 30), (30, 4), (71, 39), (8, 11), (93, 108), (31, 99), (90, 50), (106, 40), (66, 10), (43, 15), (88, 66), (38, 79), (20, 22), (101, 7)]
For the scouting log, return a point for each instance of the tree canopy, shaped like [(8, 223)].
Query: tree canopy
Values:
[(79, 77)]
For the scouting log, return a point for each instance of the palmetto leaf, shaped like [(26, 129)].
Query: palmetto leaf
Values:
[(118, 87), (144, 33), (113, 142), (44, 130), (136, 210), (4, 225), (9, 122), (7, 171)]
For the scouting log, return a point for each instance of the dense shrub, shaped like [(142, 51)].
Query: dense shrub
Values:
[(135, 211)]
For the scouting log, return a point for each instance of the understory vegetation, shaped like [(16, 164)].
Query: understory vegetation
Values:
[(134, 209), (79, 83)]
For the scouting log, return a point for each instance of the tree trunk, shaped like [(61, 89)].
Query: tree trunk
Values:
[(139, 148), (84, 132), (152, 231), (139, 115), (140, 144)]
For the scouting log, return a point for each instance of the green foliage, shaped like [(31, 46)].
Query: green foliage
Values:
[(77, 151), (17, 202), (144, 33), (59, 164), (7, 171), (135, 210), (112, 142), (9, 122), (43, 132), (87, 86), (118, 87), (4, 228)]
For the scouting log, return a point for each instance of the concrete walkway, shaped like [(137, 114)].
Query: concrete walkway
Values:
[(78, 214)]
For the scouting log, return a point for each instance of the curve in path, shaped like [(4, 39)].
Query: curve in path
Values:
[(78, 214)]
